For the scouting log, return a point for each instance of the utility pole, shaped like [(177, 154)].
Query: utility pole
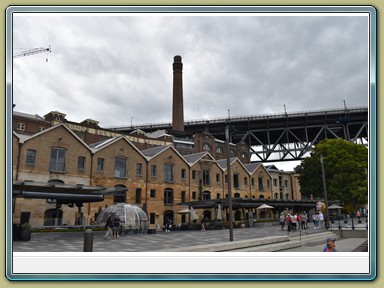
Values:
[(229, 180), (325, 191)]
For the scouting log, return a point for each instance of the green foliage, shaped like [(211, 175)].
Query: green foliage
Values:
[(345, 166), (26, 226)]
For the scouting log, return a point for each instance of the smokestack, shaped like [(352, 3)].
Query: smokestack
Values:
[(178, 109)]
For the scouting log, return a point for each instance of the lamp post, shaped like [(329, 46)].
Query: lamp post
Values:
[(325, 191)]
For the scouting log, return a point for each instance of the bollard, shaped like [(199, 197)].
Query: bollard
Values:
[(88, 241)]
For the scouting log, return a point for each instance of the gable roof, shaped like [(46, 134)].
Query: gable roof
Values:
[(251, 167), (158, 134), (152, 152), (56, 127), (196, 157), (107, 142), (223, 162)]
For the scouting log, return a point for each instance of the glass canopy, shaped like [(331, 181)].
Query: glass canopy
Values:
[(131, 217)]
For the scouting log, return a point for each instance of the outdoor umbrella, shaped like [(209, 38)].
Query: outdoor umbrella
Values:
[(184, 211), (264, 207), (193, 214), (218, 213), (334, 206)]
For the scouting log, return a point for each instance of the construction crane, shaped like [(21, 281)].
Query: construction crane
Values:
[(32, 51)]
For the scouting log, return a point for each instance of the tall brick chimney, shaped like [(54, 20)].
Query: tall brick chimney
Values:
[(177, 108)]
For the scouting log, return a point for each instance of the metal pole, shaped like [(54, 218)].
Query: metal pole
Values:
[(325, 191), (229, 183), (88, 241)]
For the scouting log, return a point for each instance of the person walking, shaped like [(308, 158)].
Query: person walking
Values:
[(168, 226), (321, 220), (282, 221), (116, 227), (202, 223), (109, 226), (315, 217)]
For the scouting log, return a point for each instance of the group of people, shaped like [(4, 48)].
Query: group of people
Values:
[(113, 226), (295, 221)]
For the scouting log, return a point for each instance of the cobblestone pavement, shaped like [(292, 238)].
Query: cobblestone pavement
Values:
[(151, 242)]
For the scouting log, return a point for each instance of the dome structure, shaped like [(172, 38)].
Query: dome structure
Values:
[(131, 217)]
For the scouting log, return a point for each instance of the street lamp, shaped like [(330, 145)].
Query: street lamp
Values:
[(325, 191)]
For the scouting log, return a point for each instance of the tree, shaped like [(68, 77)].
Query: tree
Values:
[(345, 166)]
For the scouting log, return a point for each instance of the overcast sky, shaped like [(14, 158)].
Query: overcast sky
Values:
[(118, 69)]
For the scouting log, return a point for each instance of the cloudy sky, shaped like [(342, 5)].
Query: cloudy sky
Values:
[(118, 69)]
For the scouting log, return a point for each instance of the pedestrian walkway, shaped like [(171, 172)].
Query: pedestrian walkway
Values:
[(162, 241)]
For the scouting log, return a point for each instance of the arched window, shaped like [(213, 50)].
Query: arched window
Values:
[(206, 195), (219, 150), (206, 147), (236, 195), (50, 216), (119, 197), (168, 217)]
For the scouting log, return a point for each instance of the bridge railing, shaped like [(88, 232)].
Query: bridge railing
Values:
[(242, 118)]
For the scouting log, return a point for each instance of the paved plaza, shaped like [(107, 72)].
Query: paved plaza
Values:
[(167, 241)]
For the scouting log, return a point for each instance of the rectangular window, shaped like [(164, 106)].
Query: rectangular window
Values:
[(236, 182), (153, 171), (245, 181), (168, 172), (41, 129), (217, 177), (183, 196), (20, 126), (31, 157), (194, 174), (261, 187), (57, 160), (286, 183), (226, 179), (168, 196), (81, 163), (253, 182), (268, 183), (218, 196), (120, 167), (206, 178), (183, 173), (152, 217), (153, 193), (100, 164), (275, 182), (138, 196), (139, 168), (194, 195)]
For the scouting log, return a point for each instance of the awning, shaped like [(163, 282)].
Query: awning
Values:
[(63, 193)]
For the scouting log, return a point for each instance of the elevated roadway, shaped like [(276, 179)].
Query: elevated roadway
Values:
[(279, 137)]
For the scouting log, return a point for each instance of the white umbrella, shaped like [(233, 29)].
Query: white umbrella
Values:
[(218, 213), (193, 214), (334, 206), (184, 211), (264, 206)]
